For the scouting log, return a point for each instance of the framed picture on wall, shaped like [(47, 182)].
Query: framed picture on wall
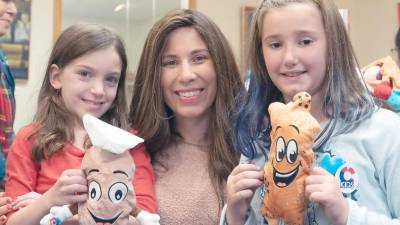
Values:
[(15, 43), (246, 15)]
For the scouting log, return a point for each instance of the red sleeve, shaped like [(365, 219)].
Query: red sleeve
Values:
[(143, 181), (21, 171)]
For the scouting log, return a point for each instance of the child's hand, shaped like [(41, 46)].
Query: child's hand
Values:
[(71, 187), (25, 200), (322, 188), (5, 207), (241, 185)]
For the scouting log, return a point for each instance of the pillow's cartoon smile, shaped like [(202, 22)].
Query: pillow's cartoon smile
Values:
[(99, 220), (284, 179)]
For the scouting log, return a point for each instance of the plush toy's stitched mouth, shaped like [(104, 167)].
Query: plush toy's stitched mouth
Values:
[(284, 179), (104, 220)]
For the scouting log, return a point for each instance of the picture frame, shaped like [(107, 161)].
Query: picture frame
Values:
[(246, 16), (15, 43)]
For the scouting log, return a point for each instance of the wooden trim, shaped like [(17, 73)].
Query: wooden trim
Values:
[(246, 14), (57, 19), (192, 4)]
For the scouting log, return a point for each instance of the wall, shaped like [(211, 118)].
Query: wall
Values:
[(373, 25), (372, 28), (41, 43), (226, 14)]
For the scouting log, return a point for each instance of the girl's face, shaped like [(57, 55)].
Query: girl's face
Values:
[(7, 14), (294, 48), (88, 83), (188, 78)]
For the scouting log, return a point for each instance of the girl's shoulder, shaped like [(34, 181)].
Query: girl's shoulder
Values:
[(27, 130), (385, 118)]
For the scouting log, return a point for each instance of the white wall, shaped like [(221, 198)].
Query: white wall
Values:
[(41, 43), (373, 25), (226, 14)]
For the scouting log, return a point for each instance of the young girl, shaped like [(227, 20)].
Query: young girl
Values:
[(302, 45), (185, 85), (85, 74)]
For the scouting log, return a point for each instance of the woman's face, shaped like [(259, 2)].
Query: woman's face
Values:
[(188, 78)]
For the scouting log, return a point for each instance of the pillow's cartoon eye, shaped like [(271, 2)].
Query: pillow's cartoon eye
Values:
[(118, 192), (94, 191), (280, 149), (291, 151)]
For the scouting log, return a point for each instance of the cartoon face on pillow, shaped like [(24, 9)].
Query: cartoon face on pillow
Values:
[(292, 136), (111, 197)]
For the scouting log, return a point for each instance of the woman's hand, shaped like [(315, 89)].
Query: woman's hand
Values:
[(5, 207), (322, 188), (71, 187), (241, 185)]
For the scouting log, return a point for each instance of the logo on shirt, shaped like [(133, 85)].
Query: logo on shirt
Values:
[(348, 178)]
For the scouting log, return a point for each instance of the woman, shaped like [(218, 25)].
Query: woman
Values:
[(184, 89)]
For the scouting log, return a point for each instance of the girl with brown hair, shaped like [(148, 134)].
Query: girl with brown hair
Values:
[(85, 74)]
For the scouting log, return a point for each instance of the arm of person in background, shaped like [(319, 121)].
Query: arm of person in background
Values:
[(5, 207), (25, 200)]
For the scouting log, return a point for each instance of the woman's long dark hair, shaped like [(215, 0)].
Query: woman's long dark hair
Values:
[(154, 120)]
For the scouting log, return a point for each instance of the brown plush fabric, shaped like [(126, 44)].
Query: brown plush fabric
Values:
[(184, 191), (292, 136), (109, 177)]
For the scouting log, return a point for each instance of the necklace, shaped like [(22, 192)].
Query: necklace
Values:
[(193, 144)]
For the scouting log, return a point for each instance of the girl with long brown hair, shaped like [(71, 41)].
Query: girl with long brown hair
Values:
[(85, 74)]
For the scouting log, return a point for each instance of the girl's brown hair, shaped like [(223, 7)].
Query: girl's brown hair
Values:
[(51, 132), (154, 120)]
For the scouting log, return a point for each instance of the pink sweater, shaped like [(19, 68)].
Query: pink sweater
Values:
[(184, 192)]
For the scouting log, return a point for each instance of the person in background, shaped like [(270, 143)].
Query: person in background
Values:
[(302, 45), (183, 92), (8, 11)]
